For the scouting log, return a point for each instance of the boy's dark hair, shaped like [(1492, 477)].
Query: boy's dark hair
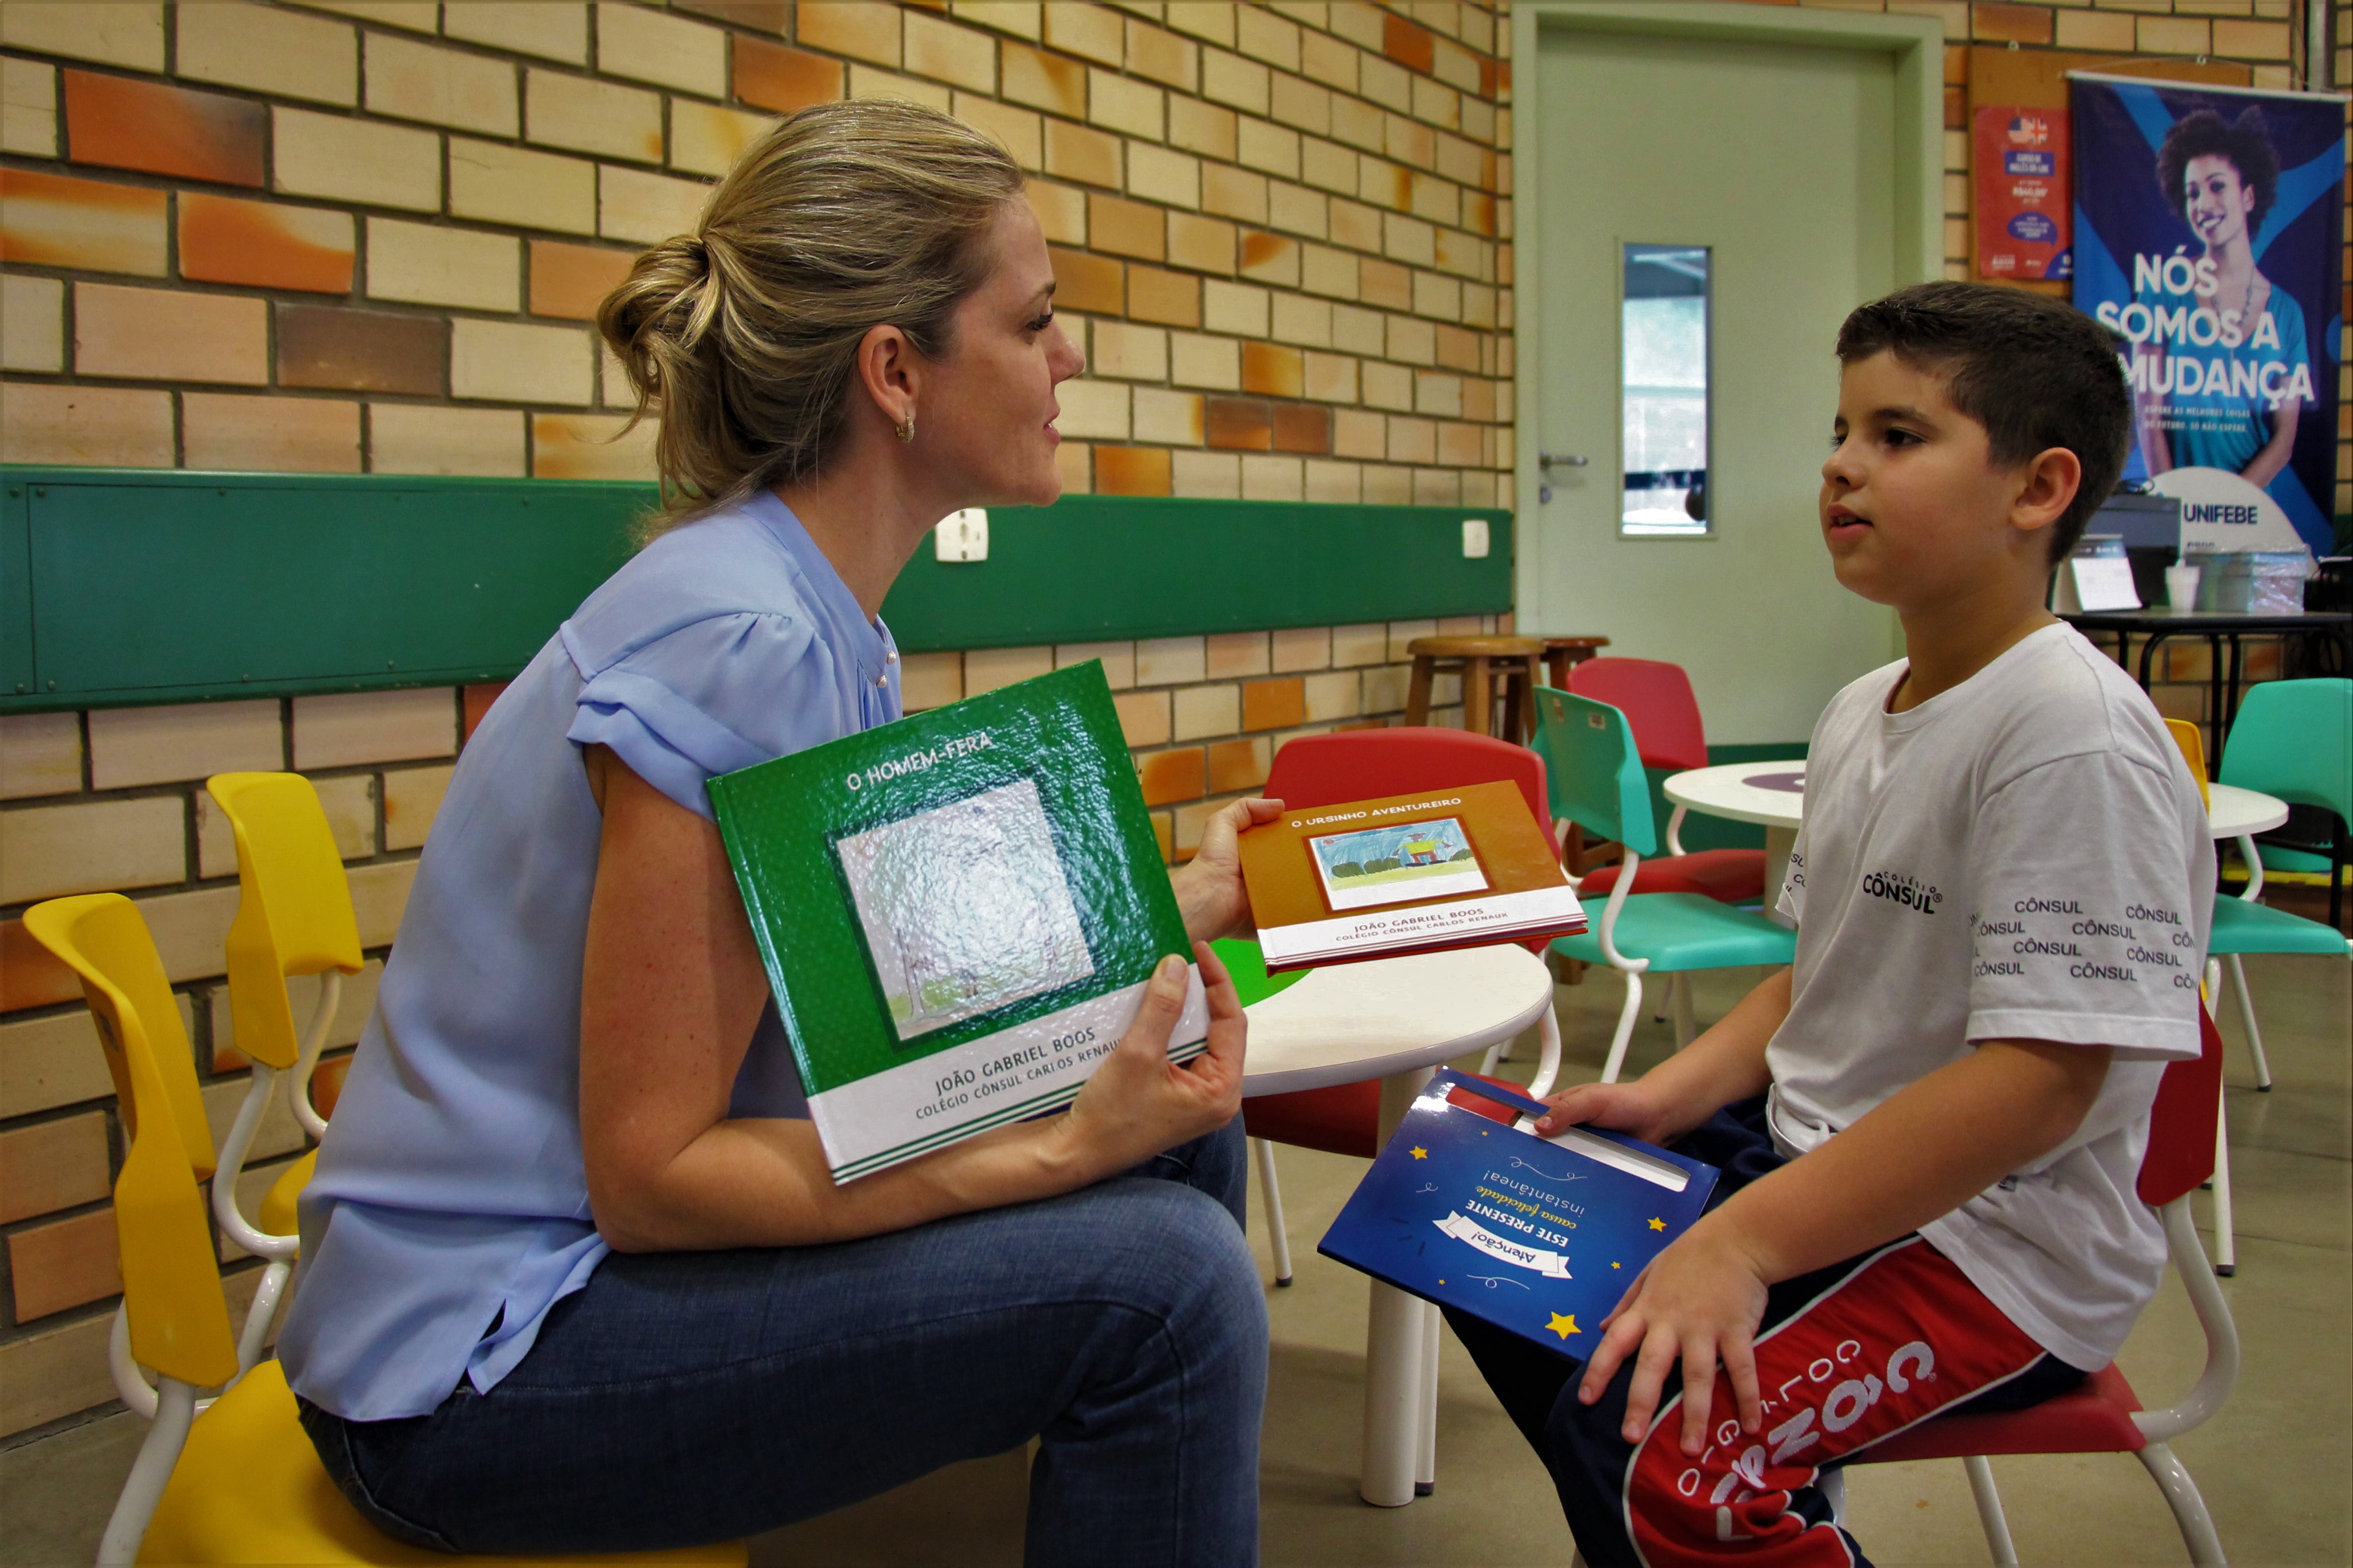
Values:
[(2035, 373), (2206, 134)]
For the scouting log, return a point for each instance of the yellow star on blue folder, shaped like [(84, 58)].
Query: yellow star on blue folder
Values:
[(1421, 1154), (1563, 1327), (1658, 1224)]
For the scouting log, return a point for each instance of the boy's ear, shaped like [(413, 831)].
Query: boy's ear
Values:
[(2047, 484)]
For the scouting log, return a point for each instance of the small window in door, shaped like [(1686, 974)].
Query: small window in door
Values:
[(1664, 330)]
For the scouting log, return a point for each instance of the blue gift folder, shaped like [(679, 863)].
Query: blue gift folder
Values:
[(1537, 1235)]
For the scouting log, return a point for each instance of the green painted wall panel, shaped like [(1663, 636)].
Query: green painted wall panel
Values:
[(122, 586), (1096, 568)]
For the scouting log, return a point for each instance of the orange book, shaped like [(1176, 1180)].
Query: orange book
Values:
[(1466, 867)]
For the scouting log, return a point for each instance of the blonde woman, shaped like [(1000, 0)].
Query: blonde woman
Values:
[(574, 1275)]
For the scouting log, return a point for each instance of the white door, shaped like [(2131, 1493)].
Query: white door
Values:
[(1706, 211)]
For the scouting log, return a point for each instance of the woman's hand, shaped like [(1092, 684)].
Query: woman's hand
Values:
[(1699, 1301), (1210, 888), (1139, 1103)]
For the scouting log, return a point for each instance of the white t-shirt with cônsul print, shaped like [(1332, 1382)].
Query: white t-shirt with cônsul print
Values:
[(2022, 857)]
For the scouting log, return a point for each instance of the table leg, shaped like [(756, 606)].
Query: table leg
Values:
[(2214, 723), (1425, 1469), (2230, 710), (1393, 1354), (1779, 842)]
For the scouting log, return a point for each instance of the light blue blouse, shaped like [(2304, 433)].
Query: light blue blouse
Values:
[(451, 1207)]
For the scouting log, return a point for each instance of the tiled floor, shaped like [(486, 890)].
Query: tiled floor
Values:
[(2273, 1465)]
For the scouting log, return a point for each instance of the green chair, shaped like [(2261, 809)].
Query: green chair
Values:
[(2291, 739), (1597, 781)]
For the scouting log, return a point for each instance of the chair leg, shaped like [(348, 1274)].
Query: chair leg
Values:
[(1667, 1002), (1625, 1016), (1425, 1468), (130, 1382), (1271, 1193), (1547, 1056), (266, 1297), (2226, 1252), (126, 1527), (2188, 1508), (1684, 1025), (2247, 1016), (1989, 1515)]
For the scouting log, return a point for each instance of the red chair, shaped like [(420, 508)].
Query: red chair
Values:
[(1364, 764), (2105, 1416), (1657, 701)]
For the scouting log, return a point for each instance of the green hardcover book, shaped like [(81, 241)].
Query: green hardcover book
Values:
[(959, 912)]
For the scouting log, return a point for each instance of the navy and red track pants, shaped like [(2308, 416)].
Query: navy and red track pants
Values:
[(1846, 1357)]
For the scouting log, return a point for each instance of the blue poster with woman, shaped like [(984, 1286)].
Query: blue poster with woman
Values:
[(2207, 239)]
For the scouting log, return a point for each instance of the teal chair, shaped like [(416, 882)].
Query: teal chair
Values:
[(2291, 739), (1597, 781)]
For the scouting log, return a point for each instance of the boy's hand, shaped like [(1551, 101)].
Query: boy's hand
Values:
[(1701, 1299), (1627, 1107)]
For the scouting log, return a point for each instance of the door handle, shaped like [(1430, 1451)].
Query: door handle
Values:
[(1546, 462)]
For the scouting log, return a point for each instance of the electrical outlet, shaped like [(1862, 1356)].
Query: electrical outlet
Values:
[(963, 535), (1475, 539)]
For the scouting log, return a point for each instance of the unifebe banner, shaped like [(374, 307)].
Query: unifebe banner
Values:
[(2207, 236)]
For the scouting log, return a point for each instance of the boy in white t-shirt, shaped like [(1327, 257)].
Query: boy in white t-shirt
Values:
[(1930, 1127)]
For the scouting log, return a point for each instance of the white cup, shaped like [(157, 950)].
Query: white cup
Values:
[(2182, 586)]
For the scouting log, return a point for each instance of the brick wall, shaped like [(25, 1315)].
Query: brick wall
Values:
[(351, 237)]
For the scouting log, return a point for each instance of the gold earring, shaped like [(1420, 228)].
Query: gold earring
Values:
[(906, 428)]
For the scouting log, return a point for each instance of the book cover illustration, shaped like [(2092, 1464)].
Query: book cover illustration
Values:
[(1011, 933), (1392, 865), (1414, 873), (1538, 1236), (958, 913)]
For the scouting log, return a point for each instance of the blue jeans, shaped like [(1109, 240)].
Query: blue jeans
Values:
[(698, 1396)]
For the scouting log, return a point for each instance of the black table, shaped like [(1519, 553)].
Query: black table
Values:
[(2217, 626)]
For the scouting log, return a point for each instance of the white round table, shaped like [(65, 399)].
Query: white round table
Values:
[(2235, 813), (1772, 795), (1394, 1019)]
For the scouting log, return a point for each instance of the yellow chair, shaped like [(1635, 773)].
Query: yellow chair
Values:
[(120, 968), (293, 917), (2191, 741), (238, 1482)]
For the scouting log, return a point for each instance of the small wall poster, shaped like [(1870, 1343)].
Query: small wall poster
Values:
[(2021, 203)]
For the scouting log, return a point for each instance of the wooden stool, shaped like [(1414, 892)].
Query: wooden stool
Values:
[(1491, 665), (1564, 653)]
